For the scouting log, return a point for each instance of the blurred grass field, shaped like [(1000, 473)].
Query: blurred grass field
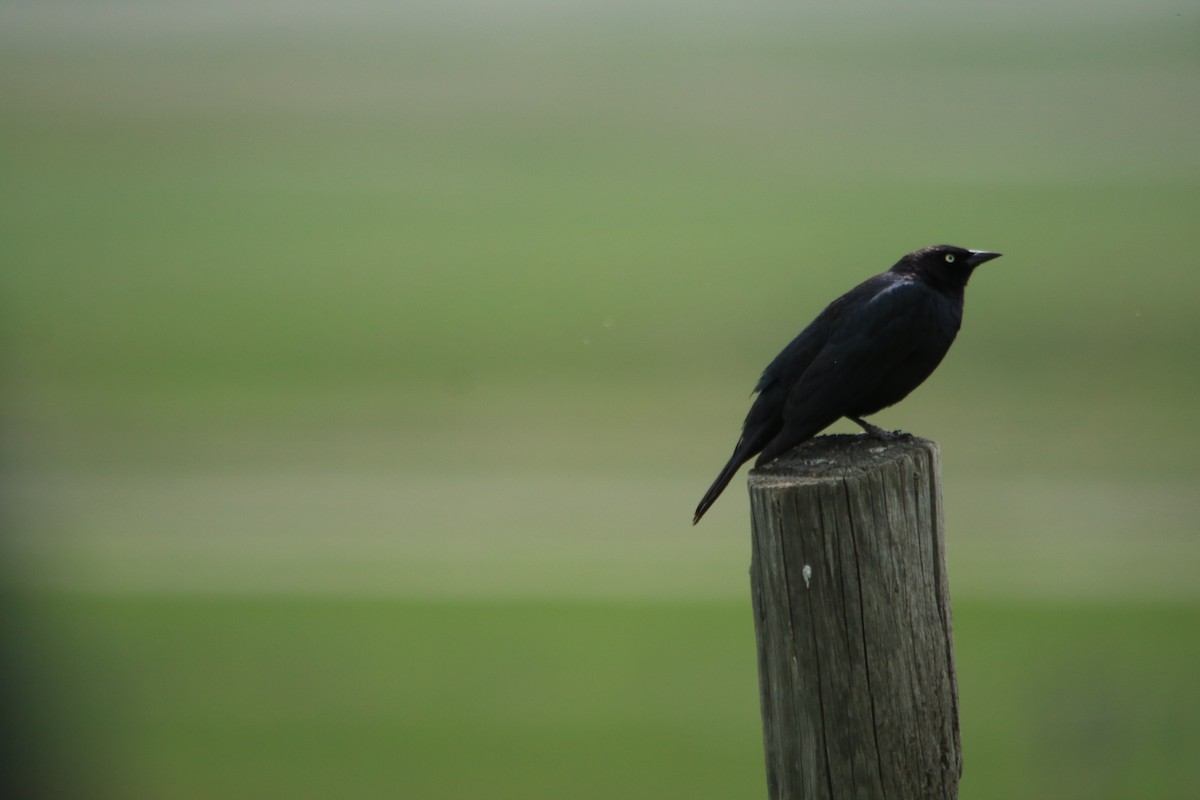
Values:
[(234, 696), (362, 366)]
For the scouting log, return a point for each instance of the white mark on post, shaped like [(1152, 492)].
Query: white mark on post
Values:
[(807, 573)]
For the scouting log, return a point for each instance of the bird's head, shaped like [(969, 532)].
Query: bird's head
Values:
[(943, 264)]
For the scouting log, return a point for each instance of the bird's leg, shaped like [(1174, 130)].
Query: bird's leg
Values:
[(876, 431)]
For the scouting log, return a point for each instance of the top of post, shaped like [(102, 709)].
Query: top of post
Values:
[(837, 455)]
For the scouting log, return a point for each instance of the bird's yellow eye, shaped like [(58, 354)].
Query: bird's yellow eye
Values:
[(949, 258)]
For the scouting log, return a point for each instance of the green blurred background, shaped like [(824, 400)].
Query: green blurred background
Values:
[(363, 363)]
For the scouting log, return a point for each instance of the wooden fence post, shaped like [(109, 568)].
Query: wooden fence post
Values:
[(852, 616)]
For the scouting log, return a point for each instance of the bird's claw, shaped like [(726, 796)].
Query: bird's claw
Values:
[(876, 432)]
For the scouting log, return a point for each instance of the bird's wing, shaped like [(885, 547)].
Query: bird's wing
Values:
[(787, 367), (858, 354)]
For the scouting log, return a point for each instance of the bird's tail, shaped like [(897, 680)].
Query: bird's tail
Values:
[(714, 491)]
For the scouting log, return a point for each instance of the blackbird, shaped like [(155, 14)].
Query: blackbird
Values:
[(866, 351)]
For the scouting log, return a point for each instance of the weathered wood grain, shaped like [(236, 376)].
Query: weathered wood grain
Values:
[(852, 616)]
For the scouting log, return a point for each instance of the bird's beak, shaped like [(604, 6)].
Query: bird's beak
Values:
[(980, 256)]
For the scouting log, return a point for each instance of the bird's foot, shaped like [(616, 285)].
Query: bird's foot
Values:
[(876, 432)]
